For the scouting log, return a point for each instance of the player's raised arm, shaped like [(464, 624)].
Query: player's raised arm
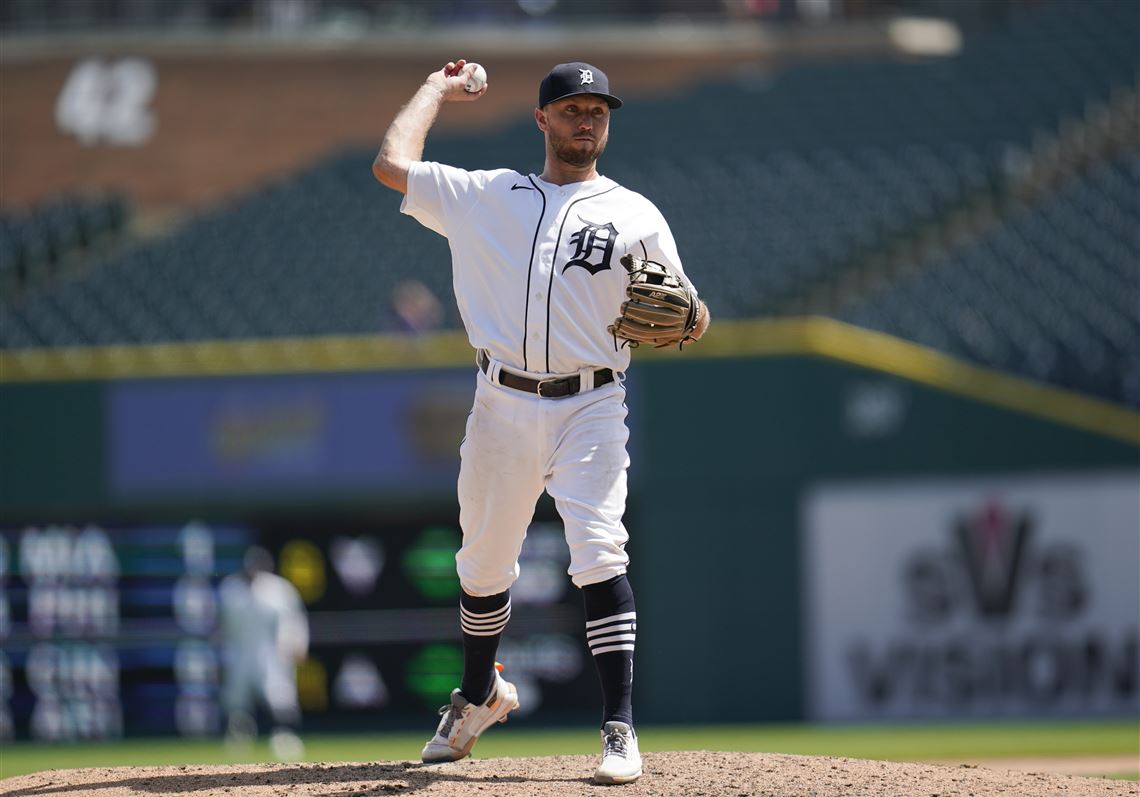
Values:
[(404, 141)]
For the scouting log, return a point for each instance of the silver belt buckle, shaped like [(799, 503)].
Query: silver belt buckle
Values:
[(542, 382)]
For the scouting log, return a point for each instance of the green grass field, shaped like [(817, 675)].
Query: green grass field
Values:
[(896, 743)]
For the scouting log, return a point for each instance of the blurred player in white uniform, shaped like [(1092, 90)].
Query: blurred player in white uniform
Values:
[(535, 266), (265, 632)]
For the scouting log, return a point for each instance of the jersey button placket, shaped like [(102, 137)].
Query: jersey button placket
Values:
[(537, 317), (540, 290), (539, 334)]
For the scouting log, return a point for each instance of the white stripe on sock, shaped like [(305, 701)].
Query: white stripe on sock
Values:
[(611, 619), (611, 648), (496, 625), (483, 623), (493, 632), (613, 629), (477, 627), (484, 615), (615, 638), (486, 624)]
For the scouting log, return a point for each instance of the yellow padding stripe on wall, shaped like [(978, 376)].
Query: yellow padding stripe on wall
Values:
[(227, 358), (823, 337), (826, 337), (930, 367)]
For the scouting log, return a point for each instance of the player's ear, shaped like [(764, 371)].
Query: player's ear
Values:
[(540, 119)]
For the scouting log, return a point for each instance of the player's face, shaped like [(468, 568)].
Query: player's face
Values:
[(577, 128)]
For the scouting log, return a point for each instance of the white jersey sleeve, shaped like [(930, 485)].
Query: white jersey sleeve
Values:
[(441, 196), (659, 245)]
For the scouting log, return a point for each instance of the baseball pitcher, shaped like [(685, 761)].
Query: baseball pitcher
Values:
[(557, 275)]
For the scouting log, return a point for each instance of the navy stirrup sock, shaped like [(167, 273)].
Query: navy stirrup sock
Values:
[(482, 621), (611, 629)]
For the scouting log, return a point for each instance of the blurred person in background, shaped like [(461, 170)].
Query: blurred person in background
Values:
[(265, 632), (417, 310)]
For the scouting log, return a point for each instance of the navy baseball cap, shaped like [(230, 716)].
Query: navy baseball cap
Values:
[(575, 78)]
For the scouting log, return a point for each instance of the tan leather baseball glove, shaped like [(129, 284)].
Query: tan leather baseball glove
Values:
[(659, 308)]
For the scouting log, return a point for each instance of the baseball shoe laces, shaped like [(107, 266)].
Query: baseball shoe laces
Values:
[(621, 760), (461, 721)]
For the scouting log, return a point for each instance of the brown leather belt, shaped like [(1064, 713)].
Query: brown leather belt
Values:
[(547, 388)]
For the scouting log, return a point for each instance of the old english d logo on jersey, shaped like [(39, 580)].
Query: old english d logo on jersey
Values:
[(588, 240)]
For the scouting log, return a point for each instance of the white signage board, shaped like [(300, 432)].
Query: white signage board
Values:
[(971, 598)]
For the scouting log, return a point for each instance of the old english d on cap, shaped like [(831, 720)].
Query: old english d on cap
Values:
[(575, 78)]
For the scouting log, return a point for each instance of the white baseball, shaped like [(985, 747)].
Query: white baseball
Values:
[(477, 80)]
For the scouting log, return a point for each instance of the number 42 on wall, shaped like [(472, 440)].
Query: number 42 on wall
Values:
[(108, 102)]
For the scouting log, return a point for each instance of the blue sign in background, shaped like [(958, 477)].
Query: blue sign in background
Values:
[(291, 433)]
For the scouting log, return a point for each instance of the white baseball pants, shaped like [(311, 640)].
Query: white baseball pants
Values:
[(518, 444)]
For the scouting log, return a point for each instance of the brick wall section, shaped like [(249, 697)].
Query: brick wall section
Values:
[(229, 122)]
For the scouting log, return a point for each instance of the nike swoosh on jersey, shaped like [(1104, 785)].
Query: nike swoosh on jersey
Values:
[(516, 187)]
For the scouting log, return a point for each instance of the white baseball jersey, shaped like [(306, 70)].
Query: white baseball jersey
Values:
[(536, 265)]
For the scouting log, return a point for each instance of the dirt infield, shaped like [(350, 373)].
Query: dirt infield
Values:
[(689, 774)]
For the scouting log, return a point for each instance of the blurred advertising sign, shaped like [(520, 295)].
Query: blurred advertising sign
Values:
[(308, 434), (980, 597), (108, 631), (385, 636), (117, 631)]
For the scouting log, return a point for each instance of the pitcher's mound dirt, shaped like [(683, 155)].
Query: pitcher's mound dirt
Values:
[(690, 774)]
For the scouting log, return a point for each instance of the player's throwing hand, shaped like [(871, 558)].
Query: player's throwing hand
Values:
[(453, 78)]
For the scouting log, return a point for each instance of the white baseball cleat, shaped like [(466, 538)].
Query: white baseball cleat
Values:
[(462, 722), (621, 760)]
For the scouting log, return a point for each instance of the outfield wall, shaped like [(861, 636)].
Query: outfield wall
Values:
[(731, 582), (825, 524)]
